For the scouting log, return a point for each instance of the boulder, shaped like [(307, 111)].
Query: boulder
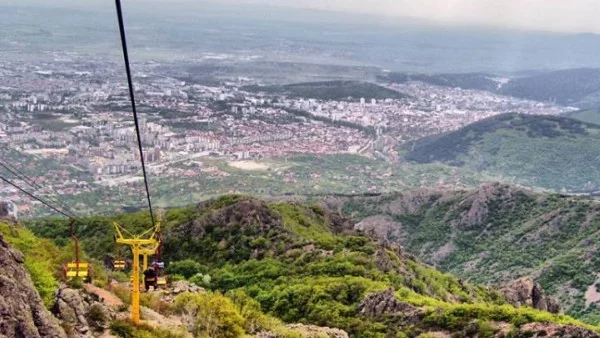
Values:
[(526, 292), (22, 312), (82, 312)]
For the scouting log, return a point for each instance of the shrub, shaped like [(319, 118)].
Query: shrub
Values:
[(201, 280), (187, 268), (75, 283), (97, 317), (127, 329), (210, 315)]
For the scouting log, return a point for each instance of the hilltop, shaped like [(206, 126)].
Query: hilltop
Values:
[(303, 263), (550, 152), (571, 87), (494, 234), (331, 90)]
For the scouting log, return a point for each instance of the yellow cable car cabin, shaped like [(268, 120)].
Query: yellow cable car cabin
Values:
[(119, 265), (81, 270)]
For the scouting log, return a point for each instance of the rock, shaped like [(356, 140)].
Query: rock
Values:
[(381, 226), (8, 210), (178, 287), (526, 292), (81, 311), (22, 312), (312, 331), (385, 303), (549, 330)]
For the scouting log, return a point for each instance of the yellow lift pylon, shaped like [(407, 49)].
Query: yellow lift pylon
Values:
[(138, 244)]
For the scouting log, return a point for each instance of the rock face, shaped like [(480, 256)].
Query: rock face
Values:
[(527, 292), (381, 226), (22, 312), (81, 312), (554, 330), (385, 303)]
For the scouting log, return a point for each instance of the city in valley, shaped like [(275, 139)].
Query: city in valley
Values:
[(67, 121)]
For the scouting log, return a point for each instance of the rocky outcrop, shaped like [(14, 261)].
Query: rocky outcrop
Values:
[(526, 292), (8, 211), (384, 303), (179, 287), (381, 226), (82, 313), (549, 330), (184, 286), (308, 331), (22, 312)]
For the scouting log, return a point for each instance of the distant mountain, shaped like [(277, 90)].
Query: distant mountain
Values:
[(495, 233), (479, 81), (571, 87), (331, 90), (545, 151)]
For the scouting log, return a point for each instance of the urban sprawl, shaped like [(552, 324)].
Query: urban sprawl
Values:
[(76, 111)]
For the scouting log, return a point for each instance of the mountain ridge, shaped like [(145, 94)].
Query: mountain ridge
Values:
[(494, 234), (301, 262)]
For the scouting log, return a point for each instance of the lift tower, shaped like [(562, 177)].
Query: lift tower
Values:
[(137, 244)]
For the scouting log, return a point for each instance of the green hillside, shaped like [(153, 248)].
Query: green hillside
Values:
[(303, 263), (496, 234), (544, 151), (331, 90)]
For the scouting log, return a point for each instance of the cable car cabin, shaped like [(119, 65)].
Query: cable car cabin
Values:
[(81, 270), (119, 265)]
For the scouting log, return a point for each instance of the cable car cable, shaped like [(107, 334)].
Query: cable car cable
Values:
[(21, 176), (132, 97), (34, 197)]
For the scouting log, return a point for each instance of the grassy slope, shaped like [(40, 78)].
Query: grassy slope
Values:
[(497, 234), (300, 263), (591, 115), (549, 152)]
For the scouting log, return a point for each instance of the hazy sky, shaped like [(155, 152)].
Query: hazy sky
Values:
[(552, 15), (548, 15)]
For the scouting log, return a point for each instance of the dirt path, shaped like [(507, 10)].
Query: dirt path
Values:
[(106, 296)]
